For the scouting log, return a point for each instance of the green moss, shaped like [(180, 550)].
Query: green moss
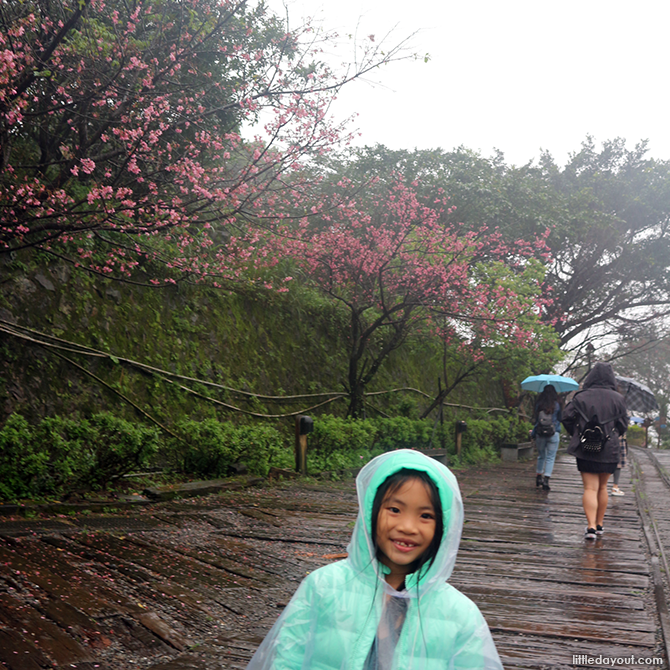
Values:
[(259, 342), (255, 341)]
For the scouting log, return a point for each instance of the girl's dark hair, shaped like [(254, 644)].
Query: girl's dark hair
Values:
[(548, 399), (388, 487)]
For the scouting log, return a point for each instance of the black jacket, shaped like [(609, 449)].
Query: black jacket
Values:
[(598, 396)]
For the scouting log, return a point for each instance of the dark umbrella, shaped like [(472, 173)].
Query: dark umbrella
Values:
[(639, 398)]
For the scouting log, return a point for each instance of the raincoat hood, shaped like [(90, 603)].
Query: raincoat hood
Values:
[(601, 376), (362, 553)]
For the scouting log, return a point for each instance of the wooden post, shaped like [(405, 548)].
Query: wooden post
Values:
[(460, 427), (300, 449)]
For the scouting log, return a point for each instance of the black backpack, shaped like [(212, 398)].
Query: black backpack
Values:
[(545, 424), (592, 437)]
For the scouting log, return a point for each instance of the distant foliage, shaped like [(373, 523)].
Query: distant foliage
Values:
[(483, 438), (338, 443), (635, 436)]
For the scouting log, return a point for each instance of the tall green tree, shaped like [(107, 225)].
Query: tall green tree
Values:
[(606, 214), (610, 243)]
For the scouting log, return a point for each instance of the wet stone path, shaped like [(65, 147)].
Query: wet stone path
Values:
[(195, 584)]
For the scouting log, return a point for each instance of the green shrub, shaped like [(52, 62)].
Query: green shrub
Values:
[(70, 457), (205, 448), (338, 443), (210, 448), (61, 455), (482, 440), (118, 447), (20, 464), (403, 433), (259, 447)]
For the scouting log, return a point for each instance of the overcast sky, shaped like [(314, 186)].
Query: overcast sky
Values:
[(516, 75)]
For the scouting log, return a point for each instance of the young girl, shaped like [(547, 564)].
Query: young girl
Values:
[(388, 606)]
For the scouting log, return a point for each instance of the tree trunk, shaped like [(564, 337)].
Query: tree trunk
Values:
[(356, 408), (356, 404)]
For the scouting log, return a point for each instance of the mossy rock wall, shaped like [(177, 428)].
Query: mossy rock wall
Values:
[(261, 342)]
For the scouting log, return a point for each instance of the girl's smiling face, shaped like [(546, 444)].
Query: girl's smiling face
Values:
[(405, 528)]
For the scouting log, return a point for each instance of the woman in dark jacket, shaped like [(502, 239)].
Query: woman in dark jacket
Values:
[(599, 398)]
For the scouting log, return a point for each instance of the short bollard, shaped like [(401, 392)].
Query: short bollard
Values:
[(303, 426), (461, 427)]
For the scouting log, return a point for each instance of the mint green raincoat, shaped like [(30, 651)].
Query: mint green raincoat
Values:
[(333, 618)]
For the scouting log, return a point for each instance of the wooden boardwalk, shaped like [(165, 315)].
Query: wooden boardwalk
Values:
[(547, 594), (194, 585)]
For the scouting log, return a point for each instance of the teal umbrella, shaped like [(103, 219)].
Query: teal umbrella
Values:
[(538, 382)]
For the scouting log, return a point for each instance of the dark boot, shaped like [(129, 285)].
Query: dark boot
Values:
[(538, 480), (545, 484)]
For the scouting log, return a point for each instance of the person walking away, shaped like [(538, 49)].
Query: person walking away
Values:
[(623, 454), (596, 409), (546, 431), (388, 604)]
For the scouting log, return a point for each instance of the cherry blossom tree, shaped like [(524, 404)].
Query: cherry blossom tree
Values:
[(394, 264), (608, 210), (121, 131)]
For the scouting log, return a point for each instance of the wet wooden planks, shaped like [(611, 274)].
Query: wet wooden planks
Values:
[(549, 596), (547, 593), (197, 584), (652, 490), (655, 468), (126, 590)]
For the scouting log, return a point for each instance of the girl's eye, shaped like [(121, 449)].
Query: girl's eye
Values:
[(427, 515), (395, 510)]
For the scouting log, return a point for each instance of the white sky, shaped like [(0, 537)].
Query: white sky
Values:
[(516, 75)]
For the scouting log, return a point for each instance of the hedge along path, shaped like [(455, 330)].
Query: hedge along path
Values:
[(197, 583), (55, 344)]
